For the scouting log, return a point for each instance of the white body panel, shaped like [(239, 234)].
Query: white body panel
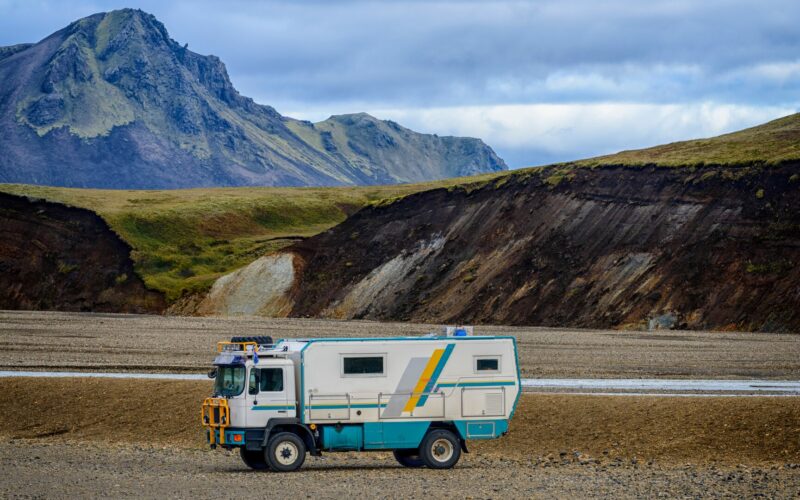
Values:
[(427, 379)]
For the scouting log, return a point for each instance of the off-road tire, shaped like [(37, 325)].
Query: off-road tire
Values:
[(440, 449), (409, 458), (253, 459), (263, 340), (285, 452)]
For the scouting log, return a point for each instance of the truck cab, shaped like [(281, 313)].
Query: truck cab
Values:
[(420, 397)]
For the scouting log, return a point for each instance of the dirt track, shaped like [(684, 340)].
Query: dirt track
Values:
[(33, 340), (102, 437)]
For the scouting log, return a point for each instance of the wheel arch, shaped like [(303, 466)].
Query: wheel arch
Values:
[(294, 426), (452, 427)]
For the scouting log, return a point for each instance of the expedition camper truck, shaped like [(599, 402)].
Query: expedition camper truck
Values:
[(420, 397)]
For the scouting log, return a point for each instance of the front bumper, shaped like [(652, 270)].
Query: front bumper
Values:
[(225, 437)]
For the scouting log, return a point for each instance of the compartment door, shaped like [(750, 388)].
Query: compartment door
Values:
[(483, 401)]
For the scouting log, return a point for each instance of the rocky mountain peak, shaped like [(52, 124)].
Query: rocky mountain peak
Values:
[(114, 86)]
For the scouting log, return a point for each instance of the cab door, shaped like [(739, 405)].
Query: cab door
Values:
[(270, 393)]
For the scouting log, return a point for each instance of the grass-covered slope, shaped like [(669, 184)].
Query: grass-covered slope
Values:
[(183, 240), (771, 143)]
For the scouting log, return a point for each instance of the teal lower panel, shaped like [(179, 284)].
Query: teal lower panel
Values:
[(482, 429), (391, 435), (343, 437)]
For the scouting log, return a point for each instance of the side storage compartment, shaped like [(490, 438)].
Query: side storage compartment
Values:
[(483, 401), (342, 437)]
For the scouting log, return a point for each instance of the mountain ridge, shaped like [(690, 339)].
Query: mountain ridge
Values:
[(112, 94)]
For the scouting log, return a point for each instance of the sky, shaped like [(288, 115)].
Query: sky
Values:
[(539, 81)]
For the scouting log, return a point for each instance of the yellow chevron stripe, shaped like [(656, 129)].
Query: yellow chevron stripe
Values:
[(423, 379)]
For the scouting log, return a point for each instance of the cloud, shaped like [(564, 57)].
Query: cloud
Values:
[(515, 69), (535, 134)]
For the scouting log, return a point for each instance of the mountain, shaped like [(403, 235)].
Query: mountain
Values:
[(112, 101)]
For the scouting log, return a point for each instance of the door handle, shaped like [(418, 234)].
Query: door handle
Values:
[(281, 411)]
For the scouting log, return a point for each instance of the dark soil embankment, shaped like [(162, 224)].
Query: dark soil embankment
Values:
[(698, 248), (727, 430), (57, 257)]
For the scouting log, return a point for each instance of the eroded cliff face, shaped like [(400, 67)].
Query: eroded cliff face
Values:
[(64, 258), (701, 248)]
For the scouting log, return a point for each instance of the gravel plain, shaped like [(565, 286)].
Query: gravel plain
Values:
[(117, 342), (58, 470), (123, 438)]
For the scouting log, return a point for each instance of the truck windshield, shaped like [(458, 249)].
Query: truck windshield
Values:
[(229, 381)]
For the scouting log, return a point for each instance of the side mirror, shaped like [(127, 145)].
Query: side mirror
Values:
[(213, 373)]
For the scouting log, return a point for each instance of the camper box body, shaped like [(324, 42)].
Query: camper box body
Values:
[(412, 395), (392, 390)]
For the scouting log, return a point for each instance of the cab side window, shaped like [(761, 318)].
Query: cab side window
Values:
[(265, 380), (271, 379)]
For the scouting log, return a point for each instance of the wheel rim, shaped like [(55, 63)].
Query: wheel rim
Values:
[(286, 453), (442, 450)]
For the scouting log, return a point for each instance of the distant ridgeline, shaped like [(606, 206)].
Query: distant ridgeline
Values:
[(111, 101)]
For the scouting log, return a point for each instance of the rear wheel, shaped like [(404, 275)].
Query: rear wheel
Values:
[(440, 449), (285, 452), (409, 458), (253, 458)]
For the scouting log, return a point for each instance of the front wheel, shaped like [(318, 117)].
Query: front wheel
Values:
[(409, 458), (253, 458), (285, 452), (440, 449)]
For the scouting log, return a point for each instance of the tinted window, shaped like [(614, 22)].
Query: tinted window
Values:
[(363, 365), (488, 364), (229, 381), (271, 379)]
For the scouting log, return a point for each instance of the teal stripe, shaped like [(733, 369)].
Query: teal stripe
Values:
[(339, 407), (435, 376), (476, 384), (273, 407)]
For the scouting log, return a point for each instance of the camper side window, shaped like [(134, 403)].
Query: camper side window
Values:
[(363, 365), (487, 364)]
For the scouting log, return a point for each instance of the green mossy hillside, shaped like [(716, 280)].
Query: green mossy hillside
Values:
[(183, 240)]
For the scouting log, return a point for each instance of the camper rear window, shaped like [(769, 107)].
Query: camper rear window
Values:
[(487, 364), (362, 365)]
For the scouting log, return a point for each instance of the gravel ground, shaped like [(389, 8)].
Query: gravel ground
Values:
[(83, 448), (68, 470), (81, 341), (721, 430)]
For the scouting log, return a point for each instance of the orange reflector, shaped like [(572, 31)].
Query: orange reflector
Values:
[(313, 426), (237, 438)]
